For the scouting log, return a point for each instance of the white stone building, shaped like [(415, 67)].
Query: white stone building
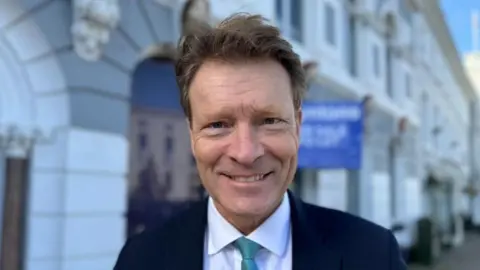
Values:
[(445, 99), (400, 55), (472, 66), (74, 116)]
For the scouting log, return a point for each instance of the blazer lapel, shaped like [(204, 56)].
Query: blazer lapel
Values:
[(187, 246), (310, 247)]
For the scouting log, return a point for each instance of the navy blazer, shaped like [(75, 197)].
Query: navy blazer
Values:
[(323, 239)]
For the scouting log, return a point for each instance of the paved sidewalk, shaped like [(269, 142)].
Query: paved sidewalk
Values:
[(465, 257)]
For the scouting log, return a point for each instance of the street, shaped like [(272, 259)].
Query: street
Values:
[(466, 257)]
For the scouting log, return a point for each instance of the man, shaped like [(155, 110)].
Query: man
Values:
[(241, 89)]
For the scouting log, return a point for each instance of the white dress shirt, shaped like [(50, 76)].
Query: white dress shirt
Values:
[(273, 235)]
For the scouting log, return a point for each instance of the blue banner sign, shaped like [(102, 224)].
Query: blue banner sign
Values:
[(331, 135)]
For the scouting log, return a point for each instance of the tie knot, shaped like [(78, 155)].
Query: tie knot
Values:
[(247, 248)]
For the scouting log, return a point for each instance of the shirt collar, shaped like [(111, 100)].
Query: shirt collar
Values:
[(273, 234)]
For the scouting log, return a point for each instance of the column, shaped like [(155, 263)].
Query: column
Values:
[(332, 189), (77, 201), (2, 191), (359, 193)]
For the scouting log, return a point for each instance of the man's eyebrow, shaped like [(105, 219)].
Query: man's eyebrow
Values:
[(226, 112)]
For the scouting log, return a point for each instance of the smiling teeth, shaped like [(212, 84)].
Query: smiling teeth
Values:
[(249, 179)]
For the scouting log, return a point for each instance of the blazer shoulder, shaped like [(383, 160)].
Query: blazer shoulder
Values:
[(143, 247), (350, 235), (138, 249), (343, 222), (152, 245)]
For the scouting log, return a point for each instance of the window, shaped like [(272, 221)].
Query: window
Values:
[(436, 130), (289, 15), (351, 44), (425, 118), (330, 24), (376, 61), (388, 71), (379, 4), (405, 11), (408, 86), (142, 136), (279, 9), (296, 19), (169, 142)]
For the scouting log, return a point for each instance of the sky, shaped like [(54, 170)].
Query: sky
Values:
[(458, 16)]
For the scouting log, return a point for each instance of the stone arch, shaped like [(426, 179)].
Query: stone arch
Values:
[(163, 180), (162, 176), (16, 100), (32, 106), (24, 105)]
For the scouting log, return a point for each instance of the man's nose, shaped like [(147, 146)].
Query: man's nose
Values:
[(245, 147)]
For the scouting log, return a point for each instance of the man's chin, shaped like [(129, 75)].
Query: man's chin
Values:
[(250, 207)]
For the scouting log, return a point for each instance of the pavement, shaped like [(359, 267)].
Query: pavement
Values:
[(465, 257)]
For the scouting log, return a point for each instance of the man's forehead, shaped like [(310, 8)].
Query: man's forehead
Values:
[(216, 71), (254, 85), (247, 108)]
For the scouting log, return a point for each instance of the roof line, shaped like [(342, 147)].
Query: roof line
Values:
[(436, 20)]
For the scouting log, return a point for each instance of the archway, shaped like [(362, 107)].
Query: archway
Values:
[(16, 101), (28, 107), (163, 177), (27, 91), (437, 190)]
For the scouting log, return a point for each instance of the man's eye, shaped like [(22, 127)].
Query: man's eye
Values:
[(271, 121), (217, 125)]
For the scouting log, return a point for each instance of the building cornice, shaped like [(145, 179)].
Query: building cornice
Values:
[(436, 22)]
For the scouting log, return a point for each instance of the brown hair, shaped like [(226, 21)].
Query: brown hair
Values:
[(238, 37)]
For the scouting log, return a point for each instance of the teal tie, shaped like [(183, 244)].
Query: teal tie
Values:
[(248, 249)]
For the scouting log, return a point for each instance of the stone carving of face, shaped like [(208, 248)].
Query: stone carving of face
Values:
[(94, 20)]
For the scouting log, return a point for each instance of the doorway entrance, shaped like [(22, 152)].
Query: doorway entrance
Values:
[(163, 178)]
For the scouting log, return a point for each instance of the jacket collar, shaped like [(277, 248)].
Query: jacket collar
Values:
[(309, 235), (310, 239)]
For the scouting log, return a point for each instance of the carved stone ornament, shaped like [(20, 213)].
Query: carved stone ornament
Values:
[(195, 14), (93, 21), (17, 142)]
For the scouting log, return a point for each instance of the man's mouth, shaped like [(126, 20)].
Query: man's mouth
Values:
[(251, 178)]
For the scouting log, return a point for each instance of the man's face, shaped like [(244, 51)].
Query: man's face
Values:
[(244, 134)]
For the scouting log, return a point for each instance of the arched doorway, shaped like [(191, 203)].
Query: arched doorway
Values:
[(163, 178), (30, 110), (438, 191)]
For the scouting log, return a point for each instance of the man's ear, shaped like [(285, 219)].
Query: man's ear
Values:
[(298, 119), (190, 132)]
